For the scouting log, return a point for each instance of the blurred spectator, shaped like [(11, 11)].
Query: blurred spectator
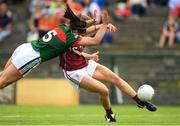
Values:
[(161, 2), (34, 20), (75, 6), (95, 7), (178, 35), (48, 13), (33, 5), (33, 34), (149, 2), (5, 21), (122, 10), (46, 22), (59, 17), (98, 7), (101, 3), (107, 39), (14, 1), (45, 14), (49, 3), (169, 32), (85, 4), (174, 6), (138, 7), (56, 11)]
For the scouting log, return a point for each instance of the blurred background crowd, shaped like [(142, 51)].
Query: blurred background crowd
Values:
[(45, 14)]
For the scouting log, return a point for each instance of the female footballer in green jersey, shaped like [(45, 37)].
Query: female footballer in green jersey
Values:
[(57, 41)]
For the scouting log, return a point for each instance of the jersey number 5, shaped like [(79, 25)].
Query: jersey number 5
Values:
[(49, 36)]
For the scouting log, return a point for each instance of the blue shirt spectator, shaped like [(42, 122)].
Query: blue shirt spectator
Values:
[(102, 3), (160, 2), (173, 4), (5, 21)]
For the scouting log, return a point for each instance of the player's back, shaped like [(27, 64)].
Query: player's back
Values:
[(55, 42)]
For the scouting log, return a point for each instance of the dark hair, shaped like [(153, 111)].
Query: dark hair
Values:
[(3, 2), (75, 23)]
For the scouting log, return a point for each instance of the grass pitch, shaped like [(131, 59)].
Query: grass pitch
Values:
[(86, 115)]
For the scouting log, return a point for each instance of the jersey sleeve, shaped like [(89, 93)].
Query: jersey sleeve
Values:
[(77, 41)]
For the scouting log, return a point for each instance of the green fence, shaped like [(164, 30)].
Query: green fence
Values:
[(162, 69), (148, 59)]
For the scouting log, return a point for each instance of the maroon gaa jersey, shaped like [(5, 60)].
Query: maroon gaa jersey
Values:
[(72, 59)]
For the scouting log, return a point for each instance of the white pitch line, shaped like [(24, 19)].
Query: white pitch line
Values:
[(114, 124), (81, 115), (47, 116)]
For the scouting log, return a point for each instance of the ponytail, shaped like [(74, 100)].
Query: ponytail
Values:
[(76, 23)]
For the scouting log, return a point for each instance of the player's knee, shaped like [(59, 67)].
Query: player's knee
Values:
[(105, 91), (3, 82), (1, 73), (114, 79)]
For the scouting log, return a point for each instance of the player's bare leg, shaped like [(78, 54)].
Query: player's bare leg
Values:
[(94, 85), (171, 38), (9, 75), (7, 64), (163, 39), (102, 73)]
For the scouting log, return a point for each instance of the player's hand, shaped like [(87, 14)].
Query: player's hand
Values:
[(105, 17), (95, 56), (111, 28)]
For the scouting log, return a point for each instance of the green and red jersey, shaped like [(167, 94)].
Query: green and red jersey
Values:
[(55, 42)]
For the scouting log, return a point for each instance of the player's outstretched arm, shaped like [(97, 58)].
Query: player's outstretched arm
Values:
[(100, 33), (93, 29)]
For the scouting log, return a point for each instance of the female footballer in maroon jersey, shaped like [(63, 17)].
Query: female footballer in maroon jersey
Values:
[(82, 71), (57, 41)]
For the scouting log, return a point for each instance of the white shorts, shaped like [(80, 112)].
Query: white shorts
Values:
[(75, 77), (25, 58)]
